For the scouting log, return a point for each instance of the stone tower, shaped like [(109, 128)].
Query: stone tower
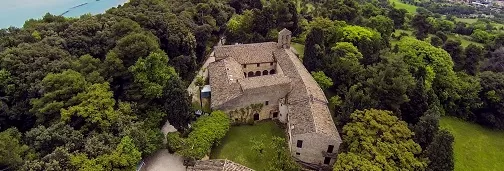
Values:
[(284, 39)]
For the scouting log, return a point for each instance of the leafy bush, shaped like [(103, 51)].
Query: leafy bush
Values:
[(207, 131), (174, 142)]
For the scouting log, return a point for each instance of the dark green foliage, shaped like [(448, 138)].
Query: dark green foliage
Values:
[(442, 36), (91, 93), (436, 41), (177, 104), (455, 49), (495, 62), (440, 152), (314, 49), (422, 26), (492, 93), (398, 16), (12, 150), (426, 129), (473, 55)]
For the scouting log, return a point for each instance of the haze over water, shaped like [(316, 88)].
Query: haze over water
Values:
[(16, 12)]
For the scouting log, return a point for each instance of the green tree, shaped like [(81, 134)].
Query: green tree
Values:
[(282, 160), (346, 10), (96, 106), (377, 140), (60, 91), (422, 26), (323, 81), (473, 55), (44, 140), (436, 41), (12, 151), (382, 24), (368, 41), (258, 144), (455, 49), (176, 103), (398, 15), (134, 46), (492, 94), (388, 83), (481, 36), (343, 67), (440, 152), (91, 68), (153, 74), (314, 50), (426, 128)]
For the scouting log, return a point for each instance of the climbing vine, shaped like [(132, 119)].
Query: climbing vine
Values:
[(244, 115)]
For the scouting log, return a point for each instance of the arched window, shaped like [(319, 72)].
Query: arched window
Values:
[(258, 73), (265, 72), (245, 74), (250, 74), (272, 71)]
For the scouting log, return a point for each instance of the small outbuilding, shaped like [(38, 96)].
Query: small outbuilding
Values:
[(206, 91)]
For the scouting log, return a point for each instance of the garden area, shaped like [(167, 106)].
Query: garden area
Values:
[(475, 147), (242, 144)]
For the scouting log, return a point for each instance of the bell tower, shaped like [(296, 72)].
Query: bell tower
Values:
[(284, 39)]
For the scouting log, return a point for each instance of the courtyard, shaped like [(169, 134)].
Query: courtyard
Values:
[(238, 147)]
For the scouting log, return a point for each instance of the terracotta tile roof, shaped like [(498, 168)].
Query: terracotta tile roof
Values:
[(223, 76), (308, 111), (247, 53), (217, 165)]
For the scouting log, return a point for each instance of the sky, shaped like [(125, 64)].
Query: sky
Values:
[(16, 12)]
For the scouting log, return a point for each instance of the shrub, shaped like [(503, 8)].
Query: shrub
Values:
[(174, 142)]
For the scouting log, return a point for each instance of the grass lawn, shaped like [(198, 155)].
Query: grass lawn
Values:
[(464, 40), (476, 147), (466, 20), (299, 48), (401, 5), (237, 147)]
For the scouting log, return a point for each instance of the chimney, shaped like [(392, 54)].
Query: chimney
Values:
[(284, 39)]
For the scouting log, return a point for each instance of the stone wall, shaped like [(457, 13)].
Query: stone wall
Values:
[(272, 97), (313, 147)]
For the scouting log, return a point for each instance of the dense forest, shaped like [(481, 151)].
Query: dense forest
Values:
[(91, 93)]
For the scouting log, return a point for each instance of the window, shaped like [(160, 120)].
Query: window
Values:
[(267, 102), (330, 148), (245, 74), (298, 153), (258, 65), (300, 144), (327, 160), (250, 74), (271, 63), (258, 73), (244, 65), (265, 72), (275, 114)]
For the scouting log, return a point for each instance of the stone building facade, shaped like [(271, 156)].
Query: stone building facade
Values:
[(268, 81)]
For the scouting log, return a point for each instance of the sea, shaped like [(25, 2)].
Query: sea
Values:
[(16, 12)]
